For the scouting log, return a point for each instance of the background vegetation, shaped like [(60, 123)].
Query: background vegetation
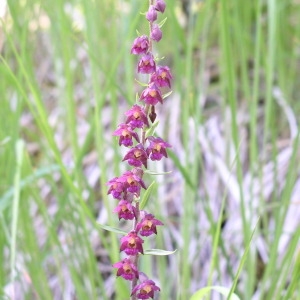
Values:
[(231, 205)]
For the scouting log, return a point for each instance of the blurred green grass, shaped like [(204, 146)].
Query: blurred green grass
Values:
[(66, 79)]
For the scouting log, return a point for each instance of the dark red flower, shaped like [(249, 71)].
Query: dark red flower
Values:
[(126, 133), (140, 45), (126, 269), (162, 76), (145, 290), (133, 183), (151, 95), (157, 148), (136, 117), (147, 225), (125, 210), (131, 244), (136, 156), (116, 188), (146, 64)]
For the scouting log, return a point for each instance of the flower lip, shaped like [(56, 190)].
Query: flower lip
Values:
[(146, 64), (151, 95), (126, 269), (131, 244), (126, 133), (125, 210), (145, 290), (147, 226), (140, 45), (162, 76)]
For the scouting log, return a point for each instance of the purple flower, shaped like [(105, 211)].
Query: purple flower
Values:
[(162, 77), (140, 45), (126, 133), (136, 156), (131, 244), (160, 5), (156, 33), (125, 210), (147, 225), (145, 290), (151, 95), (129, 182), (136, 117), (146, 64), (157, 148), (116, 188), (151, 14), (133, 183), (126, 269)]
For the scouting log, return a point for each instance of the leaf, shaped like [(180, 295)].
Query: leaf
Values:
[(200, 294), (167, 94), (151, 130), (158, 252), (183, 171), (111, 229), (162, 22), (5, 199), (141, 83), (5, 141), (147, 195), (243, 260), (155, 173)]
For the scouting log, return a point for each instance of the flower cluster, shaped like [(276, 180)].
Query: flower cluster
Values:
[(141, 148)]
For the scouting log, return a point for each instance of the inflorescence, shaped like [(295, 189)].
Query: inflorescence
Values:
[(127, 188)]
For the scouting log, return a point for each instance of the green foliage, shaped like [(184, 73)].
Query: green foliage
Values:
[(67, 78)]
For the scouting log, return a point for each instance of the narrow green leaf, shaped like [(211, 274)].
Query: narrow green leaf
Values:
[(141, 83), (243, 260), (200, 294), (156, 173), (15, 208), (159, 252), (179, 166), (167, 94), (147, 195), (111, 229), (161, 24), (152, 129), (5, 200)]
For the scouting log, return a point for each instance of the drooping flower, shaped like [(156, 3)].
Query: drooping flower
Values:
[(160, 5), (125, 210), (140, 45), (145, 290), (133, 182), (116, 188), (151, 95), (136, 117), (146, 64), (151, 14), (156, 33), (137, 156), (126, 133), (157, 148), (126, 269), (131, 244), (162, 77), (147, 225)]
